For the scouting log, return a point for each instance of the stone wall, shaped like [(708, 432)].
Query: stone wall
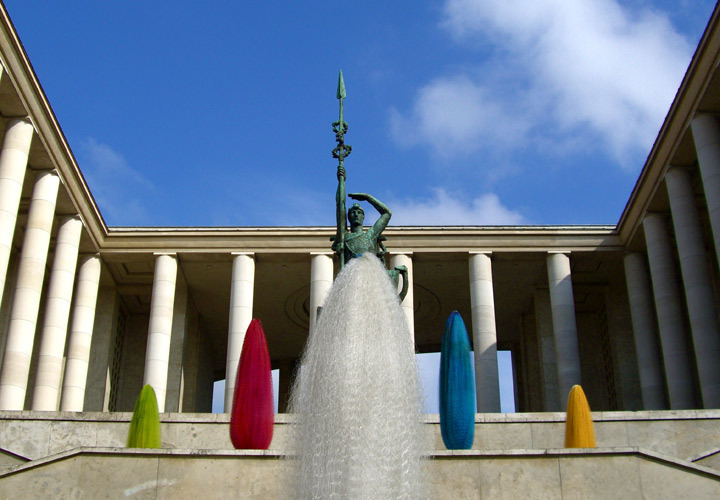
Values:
[(686, 435)]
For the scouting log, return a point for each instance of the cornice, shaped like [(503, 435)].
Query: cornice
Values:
[(286, 240)]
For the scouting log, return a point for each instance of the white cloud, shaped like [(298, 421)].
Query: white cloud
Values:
[(456, 115), (585, 68), (117, 187), (444, 209)]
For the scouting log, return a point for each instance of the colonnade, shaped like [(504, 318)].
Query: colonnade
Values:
[(61, 384), (564, 331), (28, 289), (673, 310), (61, 374), (674, 315)]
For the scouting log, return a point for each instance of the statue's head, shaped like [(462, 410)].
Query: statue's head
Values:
[(356, 215)]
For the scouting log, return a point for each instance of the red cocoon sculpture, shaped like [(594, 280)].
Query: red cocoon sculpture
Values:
[(251, 420)]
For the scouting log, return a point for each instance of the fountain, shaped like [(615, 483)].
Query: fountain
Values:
[(359, 431), (357, 398)]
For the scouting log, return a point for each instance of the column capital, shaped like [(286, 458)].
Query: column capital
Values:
[(249, 254), (675, 173), (702, 114), (48, 172), (19, 119), (322, 253), (70, 217), (628, 254), (655, 216), (169, 254), (408, 253), (45, 171), (672, 166), (561, 252), (481, 252)]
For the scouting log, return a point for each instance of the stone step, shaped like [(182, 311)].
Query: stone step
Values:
[(622, 472)]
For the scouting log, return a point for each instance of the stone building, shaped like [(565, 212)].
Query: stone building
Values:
[(89, 313)]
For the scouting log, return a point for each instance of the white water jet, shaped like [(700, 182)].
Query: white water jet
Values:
[(359, 432)]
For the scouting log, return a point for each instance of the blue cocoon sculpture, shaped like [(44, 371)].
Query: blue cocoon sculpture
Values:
[(457, 386)]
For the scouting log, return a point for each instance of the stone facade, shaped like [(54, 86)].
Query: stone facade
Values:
[(88, 313)]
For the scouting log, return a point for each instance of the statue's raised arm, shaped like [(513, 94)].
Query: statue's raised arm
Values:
[(357, 239), (374, 232)]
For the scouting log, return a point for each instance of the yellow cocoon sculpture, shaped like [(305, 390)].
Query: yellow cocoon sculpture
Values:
[(579, 431)]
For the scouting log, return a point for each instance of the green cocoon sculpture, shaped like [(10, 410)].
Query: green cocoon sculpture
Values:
[(579, 431), (145, 423)]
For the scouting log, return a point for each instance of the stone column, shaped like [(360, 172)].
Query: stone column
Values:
[(241, 307), (531, 369), (109, 324), (408, 304), (321, 279), (546, 345), (13, 163), (567, 352), (482, 303), (178, 341), (706, 134), (81, 330), (193, 366), (31, 273), (676, 358), (157, 355), (699, 295), (57, 312), (7, 301), (647, 345)]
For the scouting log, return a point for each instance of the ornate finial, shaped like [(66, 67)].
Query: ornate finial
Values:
[(340, 127), (341, 87)]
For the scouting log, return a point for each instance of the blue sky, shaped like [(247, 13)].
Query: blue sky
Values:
[(428, 368), (460, 111)]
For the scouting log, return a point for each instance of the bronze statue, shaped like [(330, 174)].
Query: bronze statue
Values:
[(356, 241)]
